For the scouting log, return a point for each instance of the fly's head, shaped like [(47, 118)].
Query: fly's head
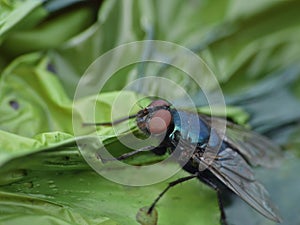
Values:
[(155, 119)]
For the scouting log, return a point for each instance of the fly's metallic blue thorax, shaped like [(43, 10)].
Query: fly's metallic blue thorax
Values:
[(189, 126)]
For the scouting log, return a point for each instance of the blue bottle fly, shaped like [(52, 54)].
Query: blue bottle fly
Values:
[(222, 161)]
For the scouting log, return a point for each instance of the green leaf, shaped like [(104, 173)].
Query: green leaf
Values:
[(20, 209), (71, 193), (42, 36), (29, 108), (24, 145), (17, 14)]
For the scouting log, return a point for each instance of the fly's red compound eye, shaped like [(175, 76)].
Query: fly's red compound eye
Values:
[(159, 103), (159, 122), (161, 118)]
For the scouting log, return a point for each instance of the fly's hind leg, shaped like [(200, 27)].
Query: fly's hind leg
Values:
[(211, 184), (221, 207), (223, 220)]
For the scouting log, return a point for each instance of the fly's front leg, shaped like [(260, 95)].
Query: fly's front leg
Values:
[(130, 154), (156, 150)]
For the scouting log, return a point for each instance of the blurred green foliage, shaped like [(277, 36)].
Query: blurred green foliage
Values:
[(45, 48)]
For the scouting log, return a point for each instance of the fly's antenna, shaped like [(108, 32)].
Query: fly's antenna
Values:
[(110, 123)]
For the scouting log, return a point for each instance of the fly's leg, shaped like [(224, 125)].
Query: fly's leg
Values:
[(215, 187), (171, 184), (220, 201), (221, 207), (130, 154)]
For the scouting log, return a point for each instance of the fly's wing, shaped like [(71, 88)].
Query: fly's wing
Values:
[(231, 169), (256, 149)]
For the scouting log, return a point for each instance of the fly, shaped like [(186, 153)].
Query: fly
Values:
[(230, 168)]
